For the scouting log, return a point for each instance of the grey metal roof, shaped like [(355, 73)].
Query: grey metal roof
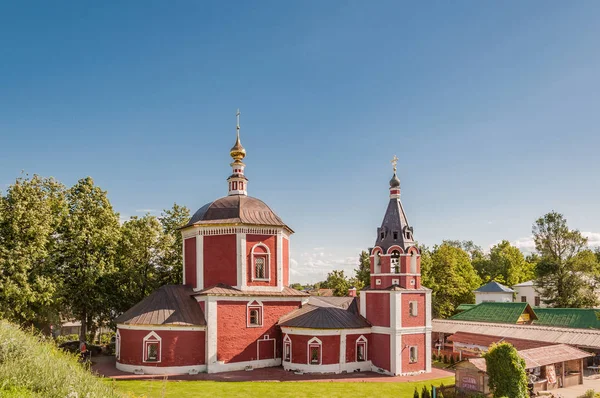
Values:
[(494, 287), (236, 209), (577, 337), (314, 317), (169, 305), (394, 221), (527, 283)]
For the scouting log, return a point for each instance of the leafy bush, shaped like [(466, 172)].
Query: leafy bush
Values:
[(506, 371), (31, 366), (588, 394), (425, 392), (445, 358), (416, 393), (105, 338), (67, 337)]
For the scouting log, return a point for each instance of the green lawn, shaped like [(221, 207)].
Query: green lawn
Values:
[(181, 389)]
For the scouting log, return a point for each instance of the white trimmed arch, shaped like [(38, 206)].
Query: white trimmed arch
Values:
[(257, 256)]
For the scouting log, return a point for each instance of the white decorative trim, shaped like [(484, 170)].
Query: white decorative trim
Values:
[(228, 230), (262, 288), (240, 245), (428, 352), (252, 297), (161, 370), (118, 345), (267, 263), (363, 304), (333, 368), (395, 274), (160, 327), (252, 307), (312, 343), (322, 332), (287, 341), (401, 331), (183, 251), (218, 367), (211, 335), (279, 259), (200, 262), (343, 341), (362, 339), (428, 309), (151, 338)]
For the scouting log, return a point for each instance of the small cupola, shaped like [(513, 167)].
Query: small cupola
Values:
[(237, 181)]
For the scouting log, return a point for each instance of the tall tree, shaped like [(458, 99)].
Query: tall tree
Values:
[(140, 255), (29, 215), (448, 271), (506, 372), (363, 273), (505, 264), (566, 270), (171, 271), (87, 243)]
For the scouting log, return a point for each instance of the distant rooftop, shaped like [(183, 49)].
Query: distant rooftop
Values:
[(498, 313), (527, 283), (494, 287), (580, 318)]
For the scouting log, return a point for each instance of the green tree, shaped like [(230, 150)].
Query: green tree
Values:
[(140, 255), (505, 264), (448, 271), (337, 281), (171, 270), (363, 273), (506, 371), (297, 286), (425, 392), (29, 216), (566, 270), (87, 244), (416, 393)]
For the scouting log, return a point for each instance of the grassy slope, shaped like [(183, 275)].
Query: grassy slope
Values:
[(32, 367), (179, 389)]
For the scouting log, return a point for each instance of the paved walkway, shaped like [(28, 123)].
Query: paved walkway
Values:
[(105, 366), (577, 391)]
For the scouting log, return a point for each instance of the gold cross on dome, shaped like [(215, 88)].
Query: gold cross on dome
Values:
[(394, 162), (237, 115)]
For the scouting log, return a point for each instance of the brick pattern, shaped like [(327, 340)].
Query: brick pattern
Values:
[(235, 341), (351, 346), (417, 340), (407, 319), (330, 349), (380, 352), (190, 262), (378, 308), (179, 348), (220, 263)]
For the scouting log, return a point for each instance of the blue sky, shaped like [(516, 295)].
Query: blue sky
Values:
[(491, 107)]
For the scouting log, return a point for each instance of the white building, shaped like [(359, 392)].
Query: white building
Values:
[(526, 293), (493, 292)]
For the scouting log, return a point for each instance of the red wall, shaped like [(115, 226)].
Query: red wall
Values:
[(179, 348), (271, 242), (351, 346), (220, 264), (379, 350), (330, 349), (411, 321), (378, 308), (235, 341), (286, 262), (413, 340), (190, 262)]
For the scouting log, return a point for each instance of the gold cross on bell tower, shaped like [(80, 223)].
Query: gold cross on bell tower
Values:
[(394, 163)]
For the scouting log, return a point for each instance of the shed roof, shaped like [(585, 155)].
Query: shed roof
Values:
[(314, 317), (494, 287), (582, 318), (495, 312), (486, 341), (541, 356), (168, 305), (550, 334)]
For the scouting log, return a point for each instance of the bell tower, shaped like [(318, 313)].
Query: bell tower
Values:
[(395, 303), (238, 183)]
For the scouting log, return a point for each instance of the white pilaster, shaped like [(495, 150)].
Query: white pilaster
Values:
[(342, 348), (183, 251), (363, 304), (211, 332), (428, 309), (428, 351), (240, 245), (199, 262), (279, 249)]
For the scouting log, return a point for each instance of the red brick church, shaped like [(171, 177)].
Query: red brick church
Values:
[(236, 311)]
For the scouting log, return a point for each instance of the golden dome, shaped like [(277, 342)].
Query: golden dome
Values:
[(237, 152)]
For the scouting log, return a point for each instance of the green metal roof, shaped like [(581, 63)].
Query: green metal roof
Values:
[(464, 307), (580, 318), (495, 312)]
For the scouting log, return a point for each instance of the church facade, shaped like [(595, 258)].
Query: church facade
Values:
[(236, 311)]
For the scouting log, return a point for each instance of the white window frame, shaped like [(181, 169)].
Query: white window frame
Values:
[(118, 345), (396, 282), (266, 256), (410, 357), (413, 308), (251, 306), (312, 343), (362, 340), (377, 282), (287, 342), (151, 338)]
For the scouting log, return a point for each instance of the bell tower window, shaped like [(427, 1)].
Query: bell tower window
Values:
[(395, 261)]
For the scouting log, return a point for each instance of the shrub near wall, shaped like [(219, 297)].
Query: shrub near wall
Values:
[(31, 366)]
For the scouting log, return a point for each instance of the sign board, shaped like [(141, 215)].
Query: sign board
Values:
[(469, 383)]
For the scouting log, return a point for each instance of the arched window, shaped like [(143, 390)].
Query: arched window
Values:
[(315, 352), (413, 263), (395, 262), (260, 260), (361, 349), (377, 262)]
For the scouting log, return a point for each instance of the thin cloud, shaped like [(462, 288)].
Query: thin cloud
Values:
[(146, 210)]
